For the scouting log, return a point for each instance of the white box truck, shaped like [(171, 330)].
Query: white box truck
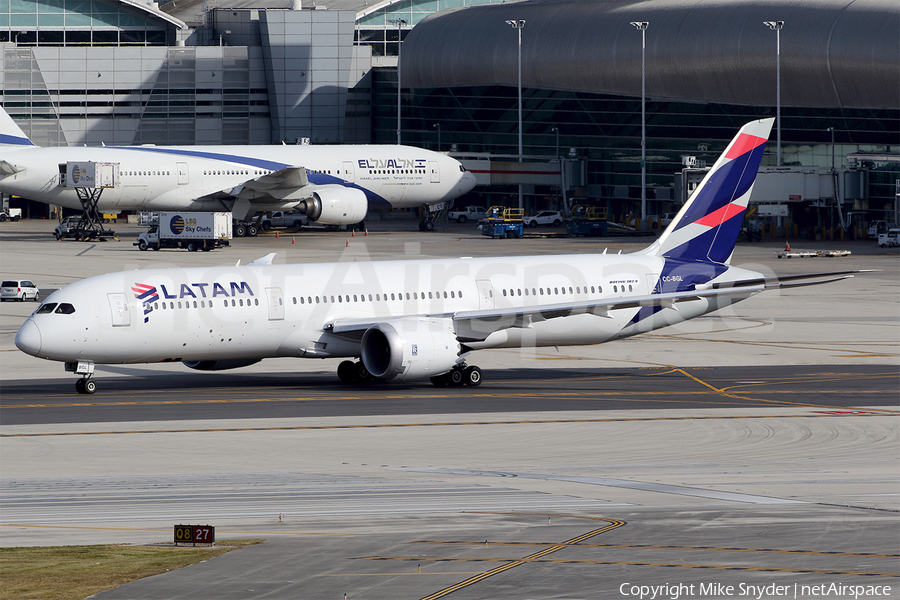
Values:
[(190, 230)]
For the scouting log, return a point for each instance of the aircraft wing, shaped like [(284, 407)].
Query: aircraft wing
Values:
[(477, 325), (274, 191)]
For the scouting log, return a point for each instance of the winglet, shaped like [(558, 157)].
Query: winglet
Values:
[(264, 260)]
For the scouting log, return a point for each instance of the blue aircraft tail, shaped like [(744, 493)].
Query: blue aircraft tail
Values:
[(708, 225), (10, 133)]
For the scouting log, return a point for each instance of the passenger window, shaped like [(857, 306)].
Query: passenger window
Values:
[(340, 299), (317, 299), (592, 289), (445, 295), (504, 292), (65, 309), (629, 288), (429, 295), (233, 303), (46, 309), (370, 297), (332, 299), (452, 294), (392, 296), (407, 295), (195, 304)]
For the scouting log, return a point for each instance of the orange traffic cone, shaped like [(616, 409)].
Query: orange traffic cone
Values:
[(353, 233), (367, 232), (787, 246), (348, 242), (276, 234), (293, 241)]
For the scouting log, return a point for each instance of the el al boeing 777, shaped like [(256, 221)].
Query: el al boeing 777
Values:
[(409, 319), (333, 185)]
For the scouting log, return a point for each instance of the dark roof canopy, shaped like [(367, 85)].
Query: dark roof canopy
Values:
[(834, 53)]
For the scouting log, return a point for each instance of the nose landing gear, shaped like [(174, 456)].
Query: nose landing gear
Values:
[(85, 385)]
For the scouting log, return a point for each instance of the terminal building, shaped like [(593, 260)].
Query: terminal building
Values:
[(121, 72)]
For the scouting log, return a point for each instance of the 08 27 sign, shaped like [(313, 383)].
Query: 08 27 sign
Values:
[(195, 534)]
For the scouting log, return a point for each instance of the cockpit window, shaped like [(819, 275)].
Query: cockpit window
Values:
[(65, 309), (46, 309)]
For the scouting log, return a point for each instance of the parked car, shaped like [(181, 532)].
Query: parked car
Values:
[(19, 289), (545, 217), (889, 239)]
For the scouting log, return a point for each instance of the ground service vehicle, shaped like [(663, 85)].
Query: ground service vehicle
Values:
[(19, 289), (12, 214), (189, 230), (469, 213), (284, 218)]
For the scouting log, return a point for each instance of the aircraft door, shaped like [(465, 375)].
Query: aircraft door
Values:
[(118, 307), (182, 173), (347, 174), (276, 304), (435, 169), (485, 293), (653, 284)]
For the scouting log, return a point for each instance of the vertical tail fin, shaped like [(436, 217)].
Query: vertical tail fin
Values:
[(707, 227), (10, 133)]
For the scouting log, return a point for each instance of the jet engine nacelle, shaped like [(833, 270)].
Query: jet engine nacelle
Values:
[(335, 205), (220, 365), (410, 348)]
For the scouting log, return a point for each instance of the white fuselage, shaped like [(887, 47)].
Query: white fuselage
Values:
[(173, 178), (254, 312)]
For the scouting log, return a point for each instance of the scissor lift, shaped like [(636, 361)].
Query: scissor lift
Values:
[(89, 180)]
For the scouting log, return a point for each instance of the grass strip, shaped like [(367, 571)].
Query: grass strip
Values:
[(75, 572)]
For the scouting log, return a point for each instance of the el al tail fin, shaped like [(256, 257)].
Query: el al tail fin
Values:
[(11, 135), (708, 225)]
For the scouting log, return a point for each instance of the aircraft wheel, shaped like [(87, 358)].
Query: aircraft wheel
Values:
[(90, 386), (429, 225), (346, 371), (455, 378), (472, 376), (79, 386), (252, 230), (240, 230), (361, 373)]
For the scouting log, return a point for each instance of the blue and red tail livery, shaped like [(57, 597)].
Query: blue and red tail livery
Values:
[(707, 227)]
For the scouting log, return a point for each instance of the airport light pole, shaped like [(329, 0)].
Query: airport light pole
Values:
[(642, 27), (556, 131), (438, 127), (519, 24), (776, 27), (831, 129), (400, 23)]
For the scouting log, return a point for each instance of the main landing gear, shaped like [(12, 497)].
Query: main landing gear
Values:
[(459, 375), (356, 372)]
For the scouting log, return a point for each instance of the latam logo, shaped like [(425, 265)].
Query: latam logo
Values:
[(392, 163), (177, 225), (148, 294)]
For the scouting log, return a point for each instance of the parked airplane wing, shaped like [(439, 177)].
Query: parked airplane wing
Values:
[(278, 186)]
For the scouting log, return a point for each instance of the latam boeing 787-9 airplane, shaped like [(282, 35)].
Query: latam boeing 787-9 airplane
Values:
[(412, 319)]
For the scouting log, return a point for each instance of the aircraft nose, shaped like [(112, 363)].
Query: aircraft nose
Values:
[(467, 182), (28, 340)]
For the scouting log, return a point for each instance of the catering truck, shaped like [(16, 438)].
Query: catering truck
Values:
[(190, 230)]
